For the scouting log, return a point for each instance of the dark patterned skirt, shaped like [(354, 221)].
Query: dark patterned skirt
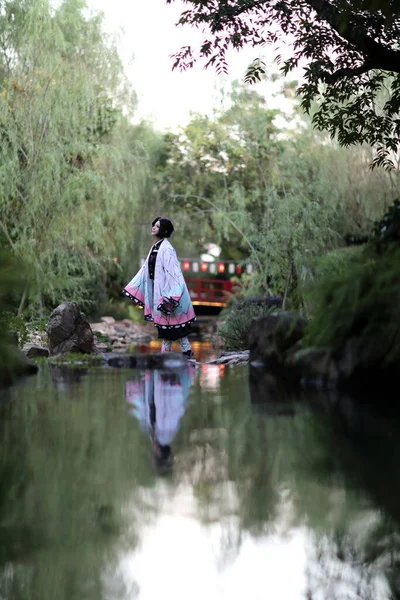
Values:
[(174, 333)]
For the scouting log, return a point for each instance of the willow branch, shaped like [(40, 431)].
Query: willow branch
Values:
[(217, 209)]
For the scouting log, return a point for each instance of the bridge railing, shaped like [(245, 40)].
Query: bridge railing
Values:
[(209, 292)]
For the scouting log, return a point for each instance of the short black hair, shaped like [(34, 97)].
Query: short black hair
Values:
[(166, 227)]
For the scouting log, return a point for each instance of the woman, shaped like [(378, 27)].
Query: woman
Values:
[(159, 287)]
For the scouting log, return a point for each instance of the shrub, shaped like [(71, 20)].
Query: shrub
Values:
[(364, 303), (235, 330)]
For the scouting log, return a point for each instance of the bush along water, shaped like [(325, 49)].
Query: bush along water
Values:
[(234, 331), (359, 308)]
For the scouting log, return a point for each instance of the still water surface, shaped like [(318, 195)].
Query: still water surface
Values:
[(122, 484)]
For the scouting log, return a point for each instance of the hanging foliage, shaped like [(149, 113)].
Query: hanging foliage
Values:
[(68, 170)]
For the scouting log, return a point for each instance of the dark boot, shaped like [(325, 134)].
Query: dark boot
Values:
[(188, 353)]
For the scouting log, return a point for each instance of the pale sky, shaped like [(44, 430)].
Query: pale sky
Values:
[(148, 37)]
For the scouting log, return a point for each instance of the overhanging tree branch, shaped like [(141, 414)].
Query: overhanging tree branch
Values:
[(340, 73), (225, 216), (339, 40), (378, 56)]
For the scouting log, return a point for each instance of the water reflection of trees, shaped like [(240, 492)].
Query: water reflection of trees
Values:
[(70, 472), (302, 459), (337, 568), (77, 482), (366, 454)]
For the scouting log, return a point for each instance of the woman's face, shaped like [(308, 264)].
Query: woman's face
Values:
[(155, 230)]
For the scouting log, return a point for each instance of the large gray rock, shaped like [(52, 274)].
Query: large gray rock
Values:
[(69, 331), (271, 336)]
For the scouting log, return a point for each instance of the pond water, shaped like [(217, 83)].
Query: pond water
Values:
[(205, 482)]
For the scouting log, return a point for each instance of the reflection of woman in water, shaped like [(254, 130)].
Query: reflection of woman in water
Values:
[(158, 401), (159, 287)]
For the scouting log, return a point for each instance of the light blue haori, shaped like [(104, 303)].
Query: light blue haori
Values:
[(169, 292)]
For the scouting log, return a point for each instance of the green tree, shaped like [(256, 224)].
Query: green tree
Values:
[(278, 196), (69, 168), (350, 51), (226, 175)]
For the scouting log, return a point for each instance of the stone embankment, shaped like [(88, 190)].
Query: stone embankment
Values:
[(277, 346), (108, 342), (118, 336), (69, 332)]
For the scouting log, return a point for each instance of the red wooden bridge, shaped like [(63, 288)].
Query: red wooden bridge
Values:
[(209, 292), (210, 284)]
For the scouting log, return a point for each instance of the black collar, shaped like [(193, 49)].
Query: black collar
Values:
[(157, 245)]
